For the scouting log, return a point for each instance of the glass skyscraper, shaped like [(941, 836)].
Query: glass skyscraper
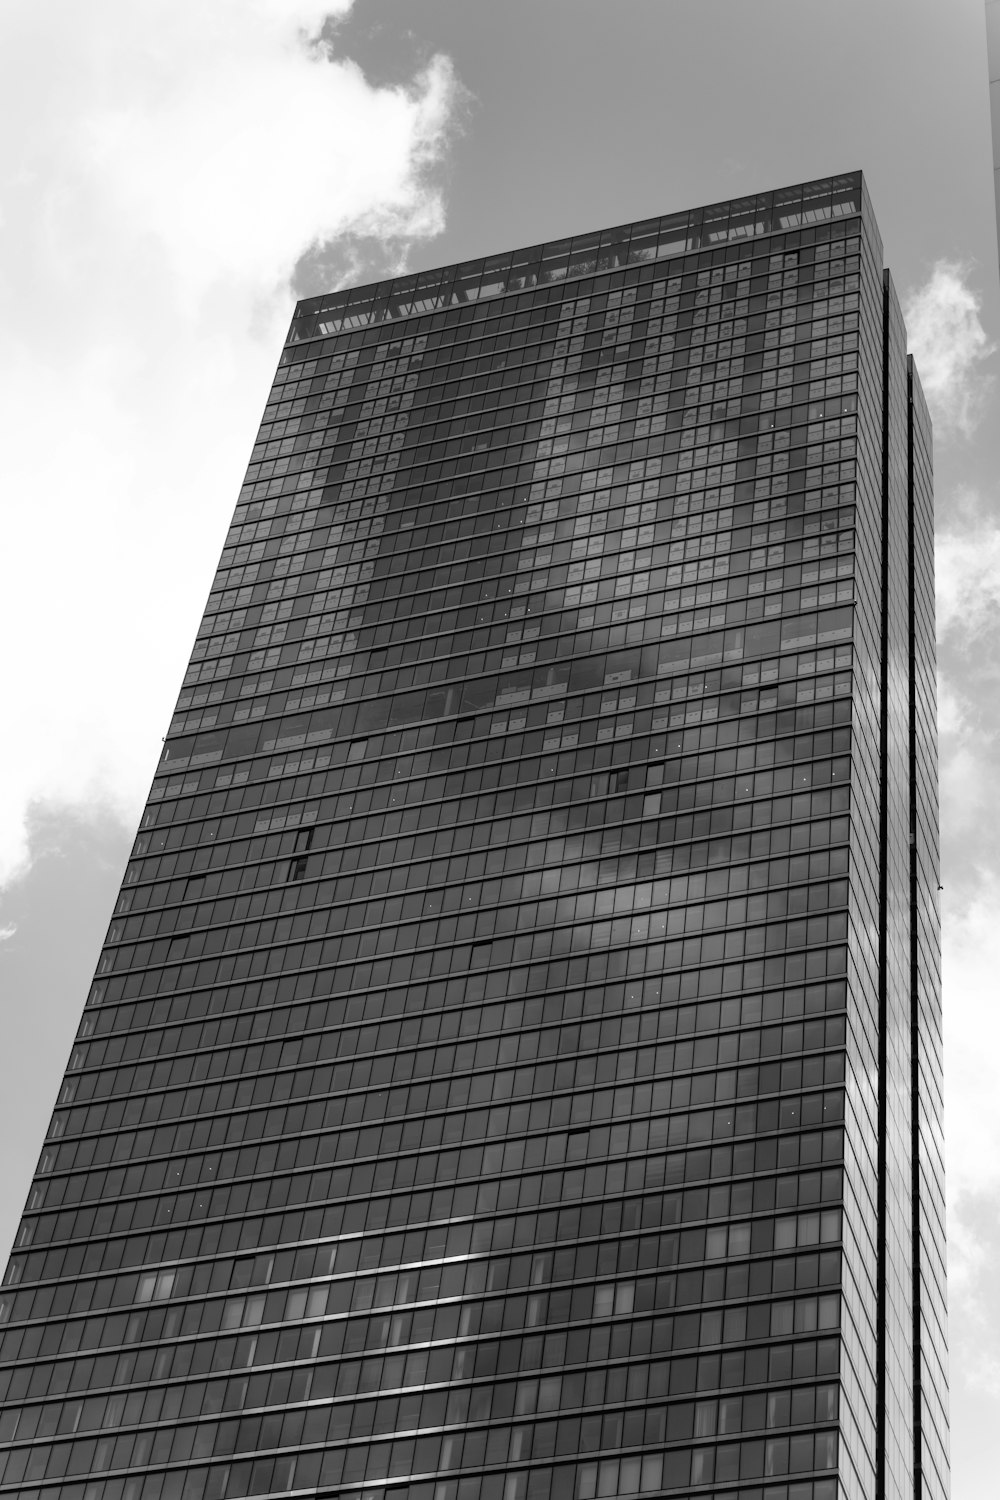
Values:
[(514, 1066)]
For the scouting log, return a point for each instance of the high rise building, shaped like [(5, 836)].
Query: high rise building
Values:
[(514, 1067)]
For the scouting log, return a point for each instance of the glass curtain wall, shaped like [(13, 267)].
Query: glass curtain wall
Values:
[(483, 1092)]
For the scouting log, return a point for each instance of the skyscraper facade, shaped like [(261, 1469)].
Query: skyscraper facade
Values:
[(514, 1066)]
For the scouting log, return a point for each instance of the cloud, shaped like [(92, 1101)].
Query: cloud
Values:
[(970, 963), (7, 931), (971, 958), (967, 567), (952, 709), (967, 586), (949, 345), (974, 1305), (163, 170), (967, 571)]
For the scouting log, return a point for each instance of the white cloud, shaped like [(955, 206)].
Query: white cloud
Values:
[(967, 569), (949, 344), (971, 961), (968, 578), (952, 709), (163, 168), (966, 785)]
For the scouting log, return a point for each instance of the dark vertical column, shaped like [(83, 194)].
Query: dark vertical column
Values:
[(895, 1199), (882, 1028), (862, 1135), (914, 967), (929, 1309)]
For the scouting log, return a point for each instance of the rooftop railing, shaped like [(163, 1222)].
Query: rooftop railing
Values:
[(583, 255)]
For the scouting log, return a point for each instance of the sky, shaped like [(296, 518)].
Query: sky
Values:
[(173, 176)]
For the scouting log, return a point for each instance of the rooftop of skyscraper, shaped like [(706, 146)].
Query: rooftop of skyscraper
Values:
[(581, 255)]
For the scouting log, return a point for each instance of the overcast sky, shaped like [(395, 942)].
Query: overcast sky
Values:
[(171, 176)]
